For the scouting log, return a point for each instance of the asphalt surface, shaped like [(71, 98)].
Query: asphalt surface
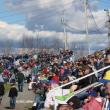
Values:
[(24, 100)]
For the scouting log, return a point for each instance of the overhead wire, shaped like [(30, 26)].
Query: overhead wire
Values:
[(57, 12), (97, 27), (73, 29), (33, 10), (77, 30)]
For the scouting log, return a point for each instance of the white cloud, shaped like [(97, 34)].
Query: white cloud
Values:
[(49, 13), (16, 32), (11, 31)]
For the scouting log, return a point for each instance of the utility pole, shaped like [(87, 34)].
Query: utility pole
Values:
[(65, 33), (108, 24), (86, 25), (38, 29)]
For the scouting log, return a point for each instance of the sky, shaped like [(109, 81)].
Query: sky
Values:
[(104, 4), (9, 15), (19, 17)]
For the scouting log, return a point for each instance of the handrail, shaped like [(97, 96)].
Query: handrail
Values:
[(76, 80), (82, 90), (86, 88)]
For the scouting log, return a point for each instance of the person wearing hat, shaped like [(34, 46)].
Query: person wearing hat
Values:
[(74, 103)]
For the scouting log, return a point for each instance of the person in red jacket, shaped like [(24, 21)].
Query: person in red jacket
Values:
[(55, 78), (6, 74), (93, 102)]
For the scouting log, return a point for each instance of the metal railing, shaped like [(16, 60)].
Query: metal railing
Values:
[(76, 80)]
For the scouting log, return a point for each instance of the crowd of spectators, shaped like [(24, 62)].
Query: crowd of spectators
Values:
[(45, 71)]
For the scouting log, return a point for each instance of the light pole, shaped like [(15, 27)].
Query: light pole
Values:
[(108, 24), (65, 33), (38, 30), (86, 26), (37, 35)]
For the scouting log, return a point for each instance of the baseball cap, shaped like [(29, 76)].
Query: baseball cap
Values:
[(74, 102)]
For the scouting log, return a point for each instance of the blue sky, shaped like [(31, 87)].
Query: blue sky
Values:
[(12, 17), (104, 4), (49, 16)]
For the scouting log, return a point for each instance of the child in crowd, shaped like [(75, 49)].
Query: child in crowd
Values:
[(13, 93)]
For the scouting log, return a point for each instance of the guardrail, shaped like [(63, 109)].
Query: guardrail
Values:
[(76, 80)]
